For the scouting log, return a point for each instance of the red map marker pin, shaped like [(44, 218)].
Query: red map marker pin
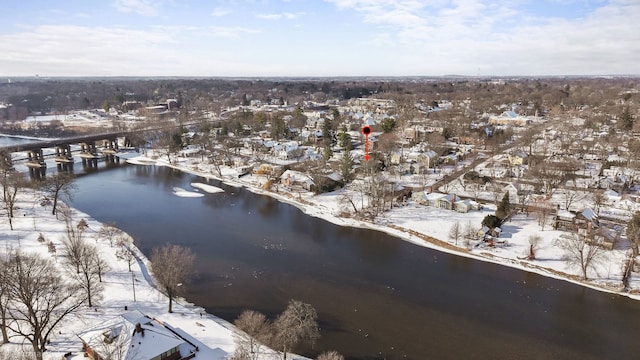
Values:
[(366, 130)]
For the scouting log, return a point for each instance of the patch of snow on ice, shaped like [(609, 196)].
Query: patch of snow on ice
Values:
[(185, 193), (207, 188)]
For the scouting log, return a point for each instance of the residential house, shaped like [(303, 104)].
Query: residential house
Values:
[(509, 118), (296, 178), (429, 158), (587, 225), (135, 336), (444, 201), (518, 158)]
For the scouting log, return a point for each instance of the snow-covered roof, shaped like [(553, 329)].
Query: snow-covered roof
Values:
[(589, 214), (566, 214), (147, 341), (610, 193), (435, 196), (296, 177), (509, 114)]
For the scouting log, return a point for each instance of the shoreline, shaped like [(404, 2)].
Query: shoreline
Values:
[(403, 234)]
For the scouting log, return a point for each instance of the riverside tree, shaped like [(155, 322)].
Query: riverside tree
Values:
[(90, 275), (633, 233), (109, 232), (61, 183), (11, 181), (578, 253), (258, 329), (297, 324), (4, 297), (39, 298), (172, 268), (330, 355), (125, 253), (73, 243), (455, 232)]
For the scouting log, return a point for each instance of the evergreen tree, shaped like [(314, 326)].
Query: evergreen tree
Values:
[(626, 119), (388, 125), (491, 221), (504, 208), (344, 139), (346, 166)]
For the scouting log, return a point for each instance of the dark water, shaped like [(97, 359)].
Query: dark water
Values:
[(377, 297)]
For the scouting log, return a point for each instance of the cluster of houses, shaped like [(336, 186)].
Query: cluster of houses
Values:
[(445, 201), (586, 223)]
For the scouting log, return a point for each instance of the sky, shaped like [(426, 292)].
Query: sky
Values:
[(265, 38)]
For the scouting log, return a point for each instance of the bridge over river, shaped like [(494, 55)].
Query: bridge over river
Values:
[(90, 147)]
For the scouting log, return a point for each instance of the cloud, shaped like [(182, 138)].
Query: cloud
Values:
[(218, 12), (501, 38), (78, 50), (140, 7), (279, 16), (64, 50), (229, 32)]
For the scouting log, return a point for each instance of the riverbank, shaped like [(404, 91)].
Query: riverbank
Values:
[(36, 230), (430, 227)]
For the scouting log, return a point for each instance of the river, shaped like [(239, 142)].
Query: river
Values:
[(377, 297)]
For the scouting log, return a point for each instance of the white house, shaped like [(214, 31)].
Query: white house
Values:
[(135, 336)]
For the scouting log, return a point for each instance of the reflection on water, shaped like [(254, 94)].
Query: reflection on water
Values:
[(377, 297)]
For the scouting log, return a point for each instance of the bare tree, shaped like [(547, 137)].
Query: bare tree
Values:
[(56, 185), (258, 329), (547, 177), (330, 355), (578, 253), (172, 267), (40, 299), (542, 215), (496, 189), (73, 243), (297, 323), (598, 199), (90, 274), (125, 253), (534, 242), (455, 232), (633, 233), (469, 233), (569, 195), (347, 197), (627, 268), (101, 265), (11, 182), (109, 232), (4, 297)]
